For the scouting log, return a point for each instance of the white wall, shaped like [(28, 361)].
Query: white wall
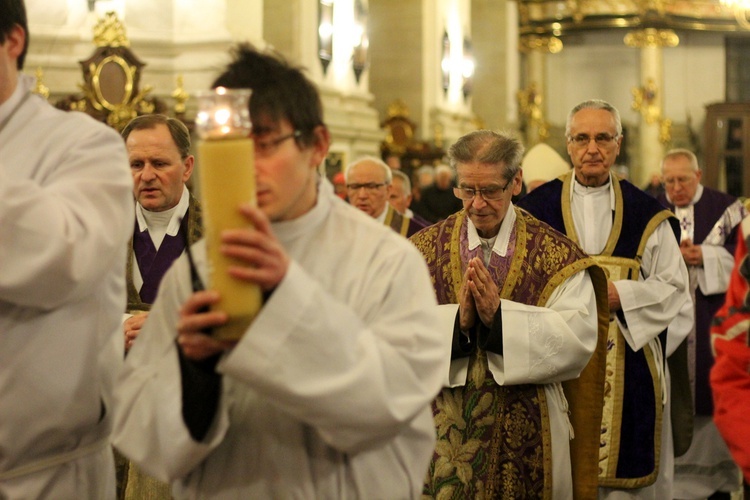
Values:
[(600, 65)]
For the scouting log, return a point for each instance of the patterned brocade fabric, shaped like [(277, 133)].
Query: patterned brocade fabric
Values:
[(494, 441)]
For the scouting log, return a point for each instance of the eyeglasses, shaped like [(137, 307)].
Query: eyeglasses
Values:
[(267, 147), (490, 193), (602, 140), (368, 186), (678, 180)]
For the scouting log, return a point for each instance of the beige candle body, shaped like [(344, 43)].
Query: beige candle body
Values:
[(227, 177)]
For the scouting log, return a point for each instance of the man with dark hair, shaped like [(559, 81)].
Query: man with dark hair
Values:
[(327, 394), (525, 309), (65, 212), (633, 237), (167, 218), (436, 201), (708, 236)]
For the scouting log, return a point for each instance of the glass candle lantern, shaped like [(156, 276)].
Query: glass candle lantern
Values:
[(227, 180)]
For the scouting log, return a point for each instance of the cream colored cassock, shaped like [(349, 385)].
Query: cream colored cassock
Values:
[(328, 393), (659, 299), (66, 212), (557, 343)]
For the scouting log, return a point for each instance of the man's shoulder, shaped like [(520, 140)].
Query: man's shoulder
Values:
[(635, 198), (68, 123), (546, 194), (714, 196), (534, 224)]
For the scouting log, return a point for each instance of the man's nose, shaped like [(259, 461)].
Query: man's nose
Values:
[(362, 192), (478, 202), (148, 173), (592, 147)]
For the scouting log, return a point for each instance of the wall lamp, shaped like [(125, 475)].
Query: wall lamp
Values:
[(467, 68), (360, 40), (325, 33)]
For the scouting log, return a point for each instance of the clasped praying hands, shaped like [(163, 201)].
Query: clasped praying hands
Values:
[(479, 296)]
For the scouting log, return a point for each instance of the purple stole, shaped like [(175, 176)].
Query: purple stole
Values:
[(706, 212), (153, 264), (494, 441), (405, 226)]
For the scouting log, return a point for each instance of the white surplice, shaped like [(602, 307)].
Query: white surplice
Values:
[(328, 393), (660, 298), (553, 344), (66, 212)]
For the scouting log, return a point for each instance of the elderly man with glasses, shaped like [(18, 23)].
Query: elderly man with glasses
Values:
[(526, 310), (369, 185), (708, 236), (634, 238)]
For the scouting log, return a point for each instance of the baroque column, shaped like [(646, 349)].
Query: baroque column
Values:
[(532, 98), (648, 100)]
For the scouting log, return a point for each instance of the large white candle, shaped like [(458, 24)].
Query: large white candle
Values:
[(227, 179)]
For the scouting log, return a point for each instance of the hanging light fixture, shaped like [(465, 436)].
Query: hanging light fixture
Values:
[(325, 33), (741, 10)]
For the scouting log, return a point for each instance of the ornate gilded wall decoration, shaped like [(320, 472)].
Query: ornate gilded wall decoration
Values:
[(40, 88), (644, 101), (565, 17), (110, 91), (530, 106), (550, 44)]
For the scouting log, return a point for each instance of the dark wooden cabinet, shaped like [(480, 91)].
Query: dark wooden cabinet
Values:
[(726, 159)]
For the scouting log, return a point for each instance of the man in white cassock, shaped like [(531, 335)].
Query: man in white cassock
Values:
[(327, 394), (633, 237), (527, 311), (65, 212)]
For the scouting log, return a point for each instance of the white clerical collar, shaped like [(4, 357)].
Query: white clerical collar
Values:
[(696, 197), (176, 214), (25, 84), (581, 190), (381, 218), (503, 235), (287, 230)]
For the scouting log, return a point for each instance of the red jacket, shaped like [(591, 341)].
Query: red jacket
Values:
[(730, 375)]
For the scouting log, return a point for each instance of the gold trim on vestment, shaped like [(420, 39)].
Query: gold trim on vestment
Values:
[(570, 228), (514, 273), (396, 221), (456, 264), (618, 268)]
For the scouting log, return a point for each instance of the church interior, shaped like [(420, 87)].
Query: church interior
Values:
[(405, 79)]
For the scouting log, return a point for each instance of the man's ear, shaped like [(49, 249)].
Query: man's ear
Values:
[(15, 41), (320, 144), (189, 162)]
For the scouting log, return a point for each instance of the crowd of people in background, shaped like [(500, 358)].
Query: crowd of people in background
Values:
[(453, 333)]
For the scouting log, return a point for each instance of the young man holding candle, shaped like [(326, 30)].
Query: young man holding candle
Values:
[(327, 394)]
